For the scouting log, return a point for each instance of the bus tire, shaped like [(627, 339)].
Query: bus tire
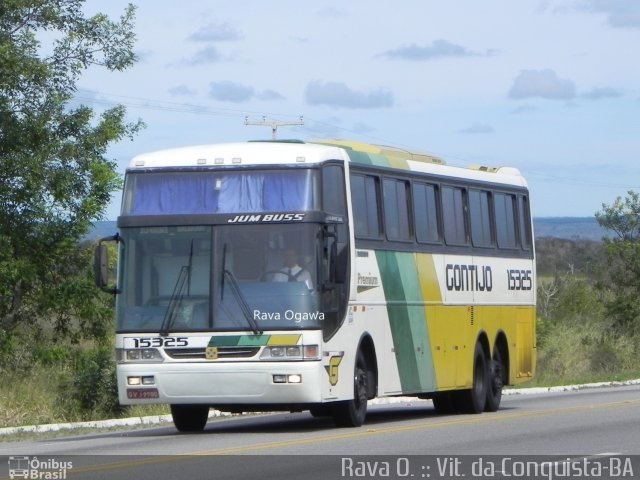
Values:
[(319, 412), (474, 399), (443, 403), (352, 413), (496, 382), (190, 418)]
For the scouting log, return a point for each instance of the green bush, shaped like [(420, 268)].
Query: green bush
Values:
[(90, 389), (49, 355), (573, 351)]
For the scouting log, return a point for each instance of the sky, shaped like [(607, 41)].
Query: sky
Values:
[(549, 87)]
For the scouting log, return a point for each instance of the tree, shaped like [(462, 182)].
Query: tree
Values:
[(55, 178), (623, 253)]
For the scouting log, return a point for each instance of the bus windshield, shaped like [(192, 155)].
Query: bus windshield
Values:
[(220, 278)]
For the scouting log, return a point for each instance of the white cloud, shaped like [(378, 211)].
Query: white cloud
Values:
[(542, 84), (598, 93), (202, 57), (437, 49), (181, 91), (619, 13), (231, 92), (338, 94), (215, 32), (227, 91)]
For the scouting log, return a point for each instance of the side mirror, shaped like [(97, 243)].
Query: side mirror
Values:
[(101, 268)]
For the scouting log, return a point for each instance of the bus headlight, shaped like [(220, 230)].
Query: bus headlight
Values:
[(291, 352), (147, 380), (138, 355), (287, 378)]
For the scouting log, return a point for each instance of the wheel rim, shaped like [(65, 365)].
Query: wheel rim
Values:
[(496, 376), (480, 380), (360, 388)]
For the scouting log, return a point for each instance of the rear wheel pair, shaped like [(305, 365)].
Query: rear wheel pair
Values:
[(474, 399), (485, 393)]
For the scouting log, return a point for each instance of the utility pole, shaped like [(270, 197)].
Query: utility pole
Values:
[(274, 124)]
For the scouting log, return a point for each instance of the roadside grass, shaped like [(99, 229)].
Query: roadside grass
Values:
[(34, 398), (29, 398), (583, 350)]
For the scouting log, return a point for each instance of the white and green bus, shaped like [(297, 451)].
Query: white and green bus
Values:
[(410, 277)]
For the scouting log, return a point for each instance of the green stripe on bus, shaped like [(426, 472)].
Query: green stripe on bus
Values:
[(408, 322), (359, 157), (379, 160)]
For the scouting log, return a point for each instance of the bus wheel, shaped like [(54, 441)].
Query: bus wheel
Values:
[(443, 403), (353, 412), (496, 381), (190, 418), (474, 399), (319, 412)]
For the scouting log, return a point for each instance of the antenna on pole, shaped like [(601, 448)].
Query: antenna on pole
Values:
[(274, 124)]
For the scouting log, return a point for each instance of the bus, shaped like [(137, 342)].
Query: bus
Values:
[(419, 280)]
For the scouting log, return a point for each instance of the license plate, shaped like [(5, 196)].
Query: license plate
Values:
[(142, 393)]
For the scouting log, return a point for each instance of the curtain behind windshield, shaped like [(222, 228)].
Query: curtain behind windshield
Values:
[(168, 193)]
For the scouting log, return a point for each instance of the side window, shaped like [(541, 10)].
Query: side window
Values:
[(480, 218), (364, 192), (425, 206), (505, 220), (333, 192), (453, 215), (525, 222), (396, 209)]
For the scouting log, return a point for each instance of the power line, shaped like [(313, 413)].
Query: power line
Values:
[(103, 98), (163, 105)]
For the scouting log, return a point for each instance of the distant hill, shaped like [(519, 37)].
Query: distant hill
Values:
[(572, 228), (102, 229)]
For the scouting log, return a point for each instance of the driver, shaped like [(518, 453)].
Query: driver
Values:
[(291, 271)]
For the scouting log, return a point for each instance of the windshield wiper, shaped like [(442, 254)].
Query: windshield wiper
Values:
[(184, 279), (242, 302), (224, 269), (244, 306), (237, 293), (175, 301)]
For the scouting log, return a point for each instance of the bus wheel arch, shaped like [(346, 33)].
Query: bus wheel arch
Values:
[(368, 350), (352, 413), (473, 400)]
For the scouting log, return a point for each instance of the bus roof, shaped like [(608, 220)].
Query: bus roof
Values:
[(241, 153), (392, 157), (315, 151)]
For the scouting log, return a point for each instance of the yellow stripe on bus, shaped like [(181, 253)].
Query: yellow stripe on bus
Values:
[(284, 340)]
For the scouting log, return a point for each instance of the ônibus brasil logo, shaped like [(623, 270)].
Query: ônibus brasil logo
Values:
[(41, 469)]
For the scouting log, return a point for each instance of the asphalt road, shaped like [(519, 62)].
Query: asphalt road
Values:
[(586, 424)]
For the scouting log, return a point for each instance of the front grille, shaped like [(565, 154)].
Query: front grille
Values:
[(200, 353)]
